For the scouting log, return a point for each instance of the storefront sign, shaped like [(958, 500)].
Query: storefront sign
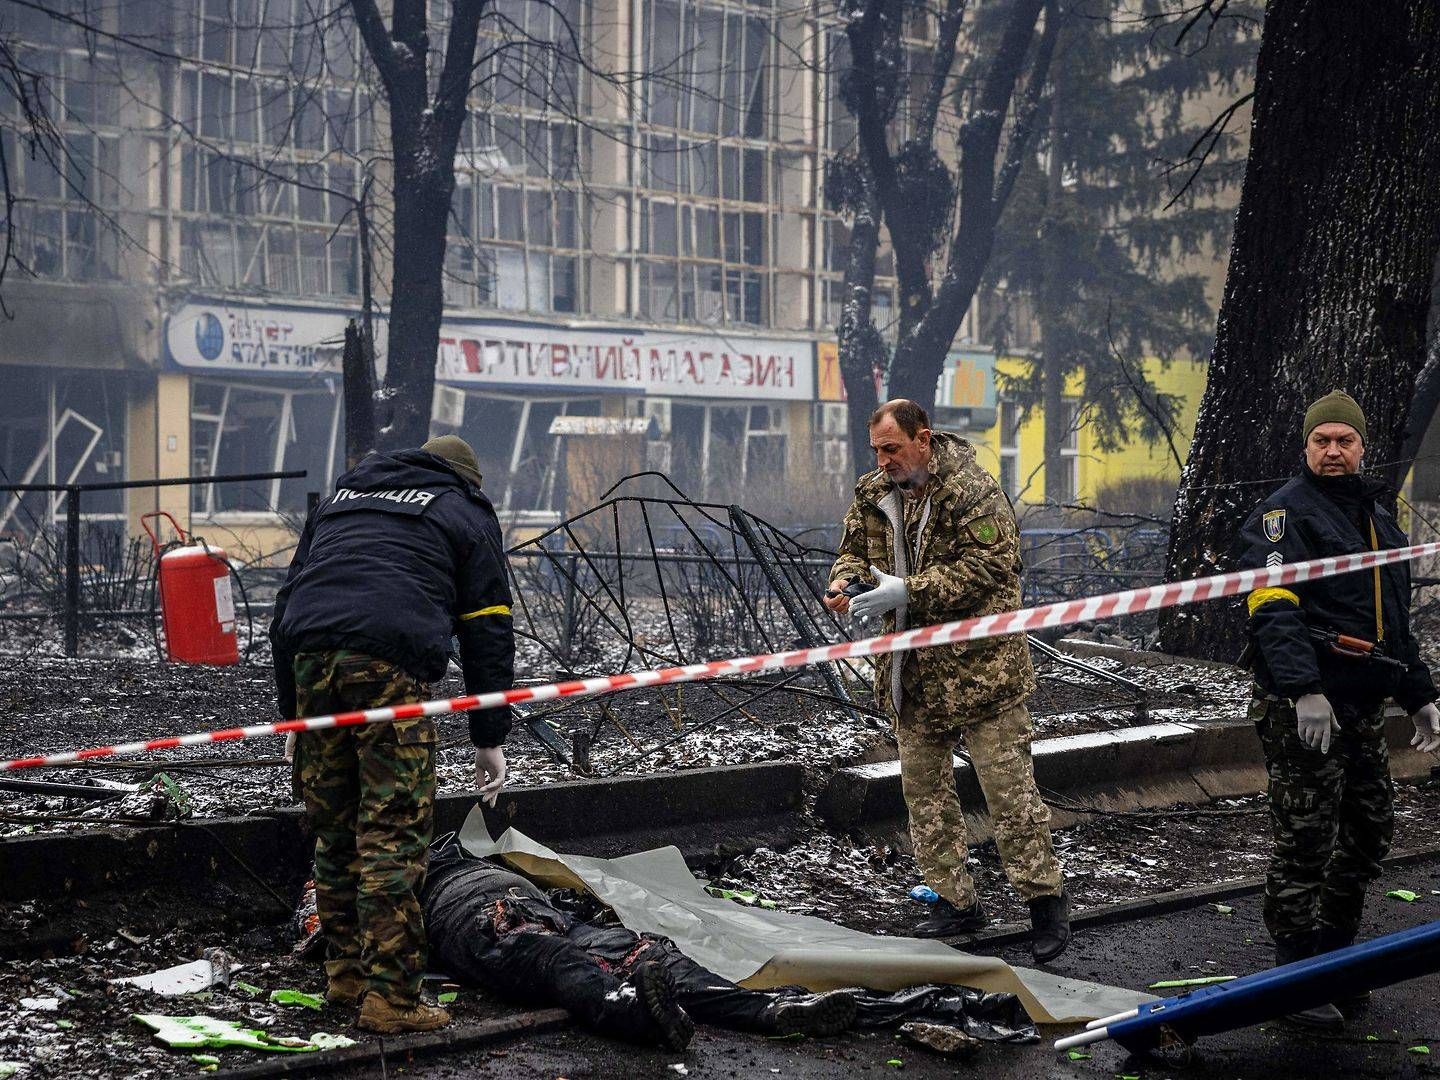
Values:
[(636, 361), (968, 381), (240, 339)]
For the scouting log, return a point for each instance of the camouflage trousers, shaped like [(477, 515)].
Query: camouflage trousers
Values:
[(999, 748), (1332, 817), (369, 793)]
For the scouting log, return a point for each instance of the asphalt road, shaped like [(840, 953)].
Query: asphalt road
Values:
[(1186, 944)]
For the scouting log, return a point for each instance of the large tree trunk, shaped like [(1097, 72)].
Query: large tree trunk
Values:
[(424, 183), (862, 350), (1329, 277), (423, 137), (358, 378)]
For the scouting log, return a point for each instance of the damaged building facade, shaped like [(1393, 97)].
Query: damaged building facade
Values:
[(182, 312), (659, 254)]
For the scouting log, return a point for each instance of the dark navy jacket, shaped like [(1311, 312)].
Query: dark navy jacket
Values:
[(404, 555), (1313, 517)]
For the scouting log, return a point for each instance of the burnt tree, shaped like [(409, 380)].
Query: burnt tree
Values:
[(1329, 277), (424, 132), (905, 185)]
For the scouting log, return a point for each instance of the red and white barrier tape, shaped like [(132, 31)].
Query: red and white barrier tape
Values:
[(1063, 613)]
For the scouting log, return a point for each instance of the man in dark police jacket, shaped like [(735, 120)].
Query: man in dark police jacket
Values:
[(1327, 655), (406, 554)]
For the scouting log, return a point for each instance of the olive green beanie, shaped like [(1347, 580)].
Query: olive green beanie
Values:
[(457, 454), (1336, 407)]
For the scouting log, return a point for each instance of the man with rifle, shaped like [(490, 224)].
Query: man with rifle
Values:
[(1326, 656)]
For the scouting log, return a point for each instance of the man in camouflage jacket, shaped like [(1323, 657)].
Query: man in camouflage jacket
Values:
[(935, 535)]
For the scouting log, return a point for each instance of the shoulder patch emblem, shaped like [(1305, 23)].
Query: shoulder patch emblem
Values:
[(1274, 522), (984, 530)]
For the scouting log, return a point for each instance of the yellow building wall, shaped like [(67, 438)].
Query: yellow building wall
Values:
[(1099, 469)]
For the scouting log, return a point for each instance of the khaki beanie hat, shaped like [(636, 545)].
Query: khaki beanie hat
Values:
[(457, 454), (1336, 407)]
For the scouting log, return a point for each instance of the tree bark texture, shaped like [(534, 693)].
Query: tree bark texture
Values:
[(1329, 277), (862, 350), (358, 376)]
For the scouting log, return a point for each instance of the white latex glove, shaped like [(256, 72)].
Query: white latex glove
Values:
[(1315, 721), (1427, 729), (489, 773), (290, 738), (889, 593)]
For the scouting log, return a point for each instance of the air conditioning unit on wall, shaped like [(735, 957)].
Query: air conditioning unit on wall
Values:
[(834, 418), (447, 408)]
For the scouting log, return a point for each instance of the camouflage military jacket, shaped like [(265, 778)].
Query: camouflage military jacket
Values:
[(967, 563)]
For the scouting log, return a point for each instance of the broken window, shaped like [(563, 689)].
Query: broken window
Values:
[(257, 207), (518, 229), (60, 428), (67, 189), (238, 427), (510, 435), (708, 254)]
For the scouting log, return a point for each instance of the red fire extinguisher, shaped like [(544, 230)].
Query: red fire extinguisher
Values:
[(197, 607)]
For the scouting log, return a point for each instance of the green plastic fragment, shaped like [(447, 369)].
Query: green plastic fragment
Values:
[(792, 1037), (743, 896), (448, 996), (194, 1032), (8, 1069), (1419, 1049), (1403, 894), (1076, 1055), (246, 988), (1372, 1038), (1177, 984), (205, 1059), (896, 1062), (296, 997), (177, 794), (65, 1025), (1223, 909)]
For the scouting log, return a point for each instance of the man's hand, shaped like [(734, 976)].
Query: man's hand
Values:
[(1315, 721), (889, 593), (489, 772), (1427, 729), (839, 602)]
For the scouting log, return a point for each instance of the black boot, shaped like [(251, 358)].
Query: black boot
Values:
[(1050, 926), (1332, 938), (672, 1026), (816, 1015), (1320, 1017), (947, 920)]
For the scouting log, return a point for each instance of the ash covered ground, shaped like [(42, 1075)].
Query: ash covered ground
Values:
[(54, 704)]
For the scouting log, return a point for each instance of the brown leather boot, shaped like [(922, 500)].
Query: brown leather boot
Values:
[(385, 1018)]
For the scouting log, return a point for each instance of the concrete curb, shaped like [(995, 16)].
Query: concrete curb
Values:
[(702, 811), (400, 1050), (1131, 768)]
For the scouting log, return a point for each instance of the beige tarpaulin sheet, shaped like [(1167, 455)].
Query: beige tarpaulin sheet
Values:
[(654, 892)]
